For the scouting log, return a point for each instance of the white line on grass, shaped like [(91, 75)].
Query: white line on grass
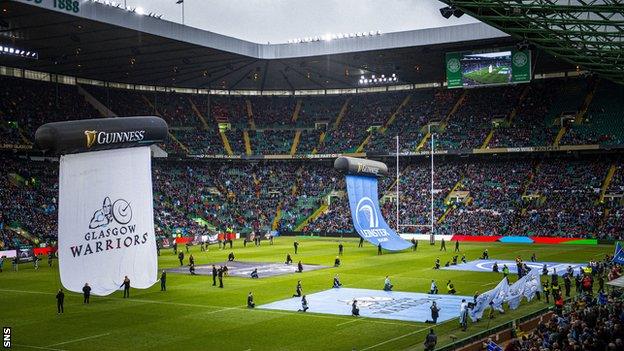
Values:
[(403, 336), (77, 340), (38, 347), (351, 321)]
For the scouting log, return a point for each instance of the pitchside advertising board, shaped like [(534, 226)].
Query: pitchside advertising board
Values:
[(470, 69), (105, 215)]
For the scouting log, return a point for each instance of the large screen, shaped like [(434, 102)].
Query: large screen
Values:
[(469, 69)]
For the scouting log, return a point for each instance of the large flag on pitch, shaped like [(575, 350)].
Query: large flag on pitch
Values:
[(483, 300), (106, 220), (366, 214), (526, 286)]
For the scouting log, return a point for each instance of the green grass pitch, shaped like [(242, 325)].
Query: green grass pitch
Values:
[(484, 77), (193, 315)]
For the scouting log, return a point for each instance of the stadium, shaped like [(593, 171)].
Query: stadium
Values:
[(328, 175)]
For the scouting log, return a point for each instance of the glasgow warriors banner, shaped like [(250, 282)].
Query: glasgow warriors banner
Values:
[(366, 214), (106, 221)]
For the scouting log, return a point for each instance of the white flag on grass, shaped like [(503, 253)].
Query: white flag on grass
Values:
[(525, 286), (483, 300), (106, 220), (499, 298)]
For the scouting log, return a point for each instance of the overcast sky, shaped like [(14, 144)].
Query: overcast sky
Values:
[(277, 21)]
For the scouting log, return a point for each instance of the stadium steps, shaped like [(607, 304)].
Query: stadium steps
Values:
[(509, 118), (559, 136), (455, 187), (388, 122), (173, 137), (521, 99), (316, 214), (295, 143), (23, 136), (488, 138), (606, 182), (424, 140), (364, 142), (198, 113), (578, 119), (457, 105), (249, 109), (295, 114), (394, 115), (184, 147), (248, 150), (99, 106), (226, 143), (278, 216), (342, 113), (320, 142)]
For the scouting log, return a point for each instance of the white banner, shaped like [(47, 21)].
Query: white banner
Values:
[(106, 220)]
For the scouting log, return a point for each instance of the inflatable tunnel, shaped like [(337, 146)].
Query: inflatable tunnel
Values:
[(368, 221)]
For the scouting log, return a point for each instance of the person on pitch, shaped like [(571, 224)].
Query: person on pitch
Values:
[(435, 313), (298, 289), (214, 275), (361, 242), (340, 249), (220, 273), (456, 245), (337, 262), (337, 283), (250, 301), (414, 244), (288, 259), (231, 257), (86, 293), (355, 310), (434, 288), (443, 245), (387, 284), (254, 273), (181, 258), (126, 286), (304, 304), (296, 246), (163, 281), (299, 267), (437, 263), (379, 249), (60, 301), (450, 288)]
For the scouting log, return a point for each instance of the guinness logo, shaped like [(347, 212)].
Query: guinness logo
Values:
[(91, 137)]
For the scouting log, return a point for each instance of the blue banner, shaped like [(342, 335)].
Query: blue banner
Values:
[(618, 257), (366, 214)]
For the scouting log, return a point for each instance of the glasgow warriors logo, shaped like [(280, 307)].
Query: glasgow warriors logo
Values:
[(453, 65), (119, 211), (366, 214)]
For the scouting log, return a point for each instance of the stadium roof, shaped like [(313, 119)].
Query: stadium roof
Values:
[(111, 44), (587, 33)]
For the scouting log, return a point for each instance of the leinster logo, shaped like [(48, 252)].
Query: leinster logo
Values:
[(520, 59), (453, 65), (91, 137), (119, 211), (366, 213)]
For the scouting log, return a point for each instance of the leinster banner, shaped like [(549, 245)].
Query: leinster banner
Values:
[(106, 222), (366, 214)]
